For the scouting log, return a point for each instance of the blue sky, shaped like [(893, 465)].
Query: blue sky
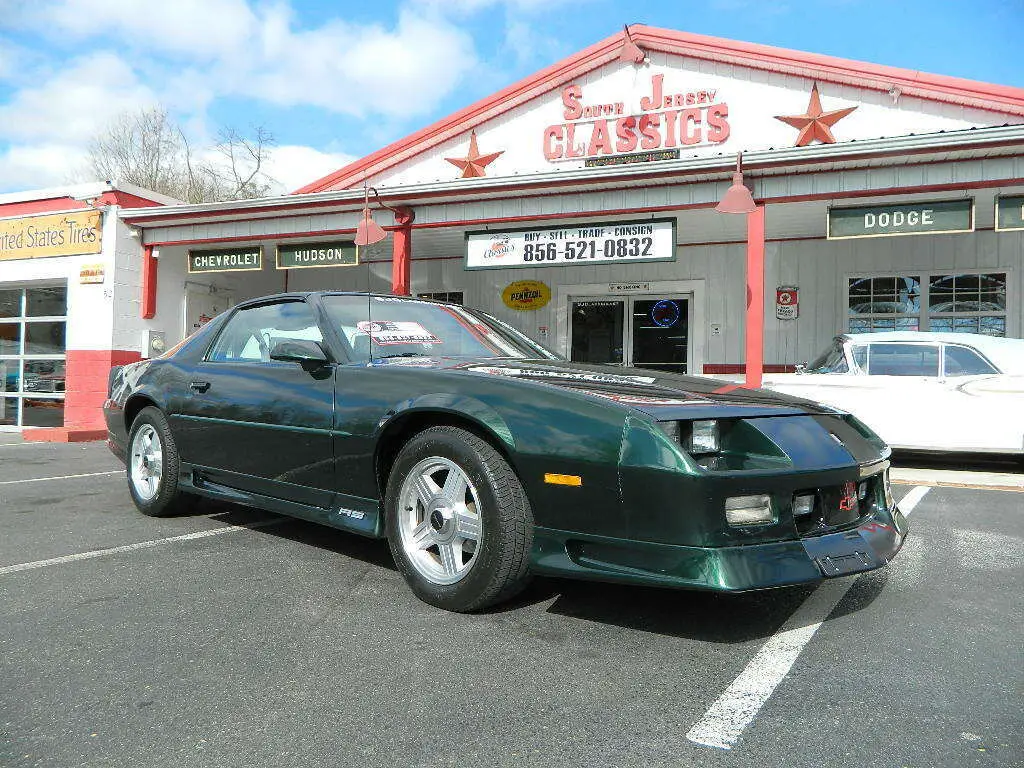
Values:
[(336, 80)]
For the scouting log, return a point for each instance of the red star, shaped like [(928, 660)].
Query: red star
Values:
[(473, 164), (815, 124)]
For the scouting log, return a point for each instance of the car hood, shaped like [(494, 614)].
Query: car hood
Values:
[(658, 393)]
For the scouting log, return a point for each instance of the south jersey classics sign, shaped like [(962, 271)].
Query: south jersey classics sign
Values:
[(622, 241)]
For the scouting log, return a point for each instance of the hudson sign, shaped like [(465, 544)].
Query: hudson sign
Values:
[(667, 119)]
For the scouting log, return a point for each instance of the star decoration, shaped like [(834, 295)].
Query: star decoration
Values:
[(815, 123), (473, 164)]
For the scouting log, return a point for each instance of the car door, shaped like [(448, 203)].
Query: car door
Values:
[(255, 424), (902, 396), (982, 408)]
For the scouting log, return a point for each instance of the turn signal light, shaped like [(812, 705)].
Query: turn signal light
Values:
[(803, 504), (554, 479), (748, 510)]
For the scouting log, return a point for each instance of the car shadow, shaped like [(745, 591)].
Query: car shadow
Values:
[(705, 616), (370, 551)]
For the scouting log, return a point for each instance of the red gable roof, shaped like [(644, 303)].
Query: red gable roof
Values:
[(952, 90)]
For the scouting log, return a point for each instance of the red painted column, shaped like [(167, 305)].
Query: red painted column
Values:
[(401, 261), (755, 297), (148, 303)]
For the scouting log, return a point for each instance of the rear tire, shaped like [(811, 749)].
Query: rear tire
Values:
[(458, 521), (153, 466)]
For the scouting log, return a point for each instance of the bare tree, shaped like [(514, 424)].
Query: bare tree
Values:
[(147, 148)]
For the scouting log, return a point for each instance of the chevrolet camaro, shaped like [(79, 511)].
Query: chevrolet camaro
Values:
[(483, 458)]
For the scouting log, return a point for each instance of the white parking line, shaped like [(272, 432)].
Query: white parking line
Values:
[(735, 709), (132, 547), (912, 499), (61, 477)]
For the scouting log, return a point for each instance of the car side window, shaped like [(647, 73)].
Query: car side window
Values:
[(251, 333), (961, 361), (903, 360)]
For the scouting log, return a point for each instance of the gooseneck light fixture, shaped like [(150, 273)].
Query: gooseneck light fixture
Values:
[(737, 199), (369, 231)]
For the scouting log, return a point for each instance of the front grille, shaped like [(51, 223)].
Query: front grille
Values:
[(840, 506)]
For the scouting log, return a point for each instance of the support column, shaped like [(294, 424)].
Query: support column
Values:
[(755, 297), (401, 261), (148, 300)]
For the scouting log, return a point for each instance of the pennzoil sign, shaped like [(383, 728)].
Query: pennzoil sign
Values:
[(526, 295)]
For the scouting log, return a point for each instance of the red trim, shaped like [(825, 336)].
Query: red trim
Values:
[(62, 435), (126, 200), (579, 215), (47, 205), (401, 260), (664, 178), (733, 368), (87, 373), (149, 276), (755, 298), (985, 96)]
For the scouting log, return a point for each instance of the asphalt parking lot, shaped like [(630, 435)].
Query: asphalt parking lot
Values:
[(231, 637)]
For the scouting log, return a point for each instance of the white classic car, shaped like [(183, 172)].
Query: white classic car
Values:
[(922, 391)]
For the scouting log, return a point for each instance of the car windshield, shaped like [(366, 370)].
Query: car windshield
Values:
[(832, 360), (377, 327)]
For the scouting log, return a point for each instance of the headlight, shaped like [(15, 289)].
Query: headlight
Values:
[(703, 437), (748, 510)]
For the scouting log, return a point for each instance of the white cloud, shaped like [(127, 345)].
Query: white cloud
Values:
[(204, 29), (293, 166), (33, 166), (75, 102), (361, 70), (186, 54)]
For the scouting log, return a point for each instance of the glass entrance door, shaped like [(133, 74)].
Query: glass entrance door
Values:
[(660, 333), (598, 327), (642, 331)]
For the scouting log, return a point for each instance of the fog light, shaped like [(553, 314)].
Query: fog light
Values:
[(803, 504), (748, 510), (703, 437)]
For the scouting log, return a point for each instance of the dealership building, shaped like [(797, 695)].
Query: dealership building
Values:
[(579, 205)]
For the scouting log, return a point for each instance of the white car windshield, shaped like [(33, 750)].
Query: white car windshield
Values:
[(832, 360)]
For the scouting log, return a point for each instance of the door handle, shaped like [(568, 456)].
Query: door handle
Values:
[(199, 386)]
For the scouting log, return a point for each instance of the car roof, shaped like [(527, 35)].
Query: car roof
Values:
[(1007, 354)]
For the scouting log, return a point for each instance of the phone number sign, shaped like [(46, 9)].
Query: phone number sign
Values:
[(621, 241)]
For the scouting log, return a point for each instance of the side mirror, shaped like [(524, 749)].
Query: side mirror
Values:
[(309, 354)]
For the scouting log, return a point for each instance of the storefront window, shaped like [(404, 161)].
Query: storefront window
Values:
[(10, 303), (33, 366), (960, 303), (44, 338), (46, 302), (8, 411)]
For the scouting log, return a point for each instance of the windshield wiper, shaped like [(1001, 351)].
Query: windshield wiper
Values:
[(402, 354)]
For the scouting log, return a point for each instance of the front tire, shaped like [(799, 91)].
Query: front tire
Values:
[(153, 465), (458, 521)]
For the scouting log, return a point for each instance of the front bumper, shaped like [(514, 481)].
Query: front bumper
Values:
[(872, 544)]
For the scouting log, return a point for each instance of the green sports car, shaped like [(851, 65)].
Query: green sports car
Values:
[(484, 458)]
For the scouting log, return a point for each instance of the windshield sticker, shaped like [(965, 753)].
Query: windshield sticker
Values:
[(646, 400), (540, 373), (385, 332)]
